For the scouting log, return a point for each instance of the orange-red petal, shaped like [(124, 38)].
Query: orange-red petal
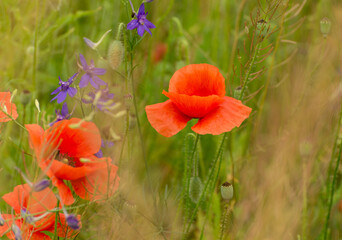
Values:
[(5, 100), (231, 113), (8, 223), (194, 106), (165, 118), (101, 184), (198, 79), (78, 138), (35, 202)]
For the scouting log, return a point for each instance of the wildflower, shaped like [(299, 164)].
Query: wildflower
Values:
[(33, 215), (73, 222), (60, 151), (62, 114), (41, 185), (197, 91), (90, 74), (104, 144), (64, 89), (141, 23), (159, 52), (101, 99), (8, 110)]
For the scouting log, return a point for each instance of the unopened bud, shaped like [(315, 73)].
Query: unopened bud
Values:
[(37, 104), (120, 31), (25, 97), (73, 222), (227, 191), (41, 185), (195, 189), (237, 92), (115, 54), (27, 216), (2, 220), (325, 26), (183, 48), (16, 231)]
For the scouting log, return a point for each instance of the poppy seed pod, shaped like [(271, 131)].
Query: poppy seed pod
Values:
[(195, 189), (115, 54), (227, 191), (325, 26)]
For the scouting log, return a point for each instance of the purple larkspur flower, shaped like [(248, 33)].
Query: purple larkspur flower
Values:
[(141, 23), (64, 89), (101, 99), (61, 114), (104, 144), (91, 73)]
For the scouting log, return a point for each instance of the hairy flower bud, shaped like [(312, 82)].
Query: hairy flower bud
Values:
[(41, 185), (227, 191), (115, 54), (73, 222), (195, 189)]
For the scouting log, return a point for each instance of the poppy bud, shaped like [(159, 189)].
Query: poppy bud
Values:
[(227, 191), (183, 48), (325, 26), (115, 54), (41, 185), (120, 31), (237, 92), (25, 97), (195, 189), (73, 222)]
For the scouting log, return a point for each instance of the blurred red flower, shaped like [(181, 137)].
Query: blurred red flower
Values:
[(7, 106), (36, 206), (66, 151), (197, 91), (159, 52)]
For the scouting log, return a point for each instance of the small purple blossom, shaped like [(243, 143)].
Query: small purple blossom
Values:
[(16, 231), (27, 216), (61, 114), (90, 74), (73, 222), (101, 99), (141, 23), (64, 89), (104, 144)]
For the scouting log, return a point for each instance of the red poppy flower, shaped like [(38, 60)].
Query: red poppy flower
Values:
[(10, 108), (197, 91), (66, 151), (35, 205)]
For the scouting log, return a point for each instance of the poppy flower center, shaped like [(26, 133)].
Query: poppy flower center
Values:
[(64, 158)]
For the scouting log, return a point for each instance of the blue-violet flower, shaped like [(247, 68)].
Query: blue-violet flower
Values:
[(64, 89), (141, 23), (90, 74), (61, 114)]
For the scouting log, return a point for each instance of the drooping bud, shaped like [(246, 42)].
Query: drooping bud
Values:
[(325, 26), (195, 189), (41, 185), (227, 191), (183, 48), (94, 45), (16, 231), (115, 54), (119, 33), (73, 222)]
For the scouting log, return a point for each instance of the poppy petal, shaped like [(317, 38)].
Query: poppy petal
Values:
[(99, 184), (198, 79), (67, 172), (36, 134), (78, 139), (165, 118), (194, 106), (8, 223), (231, 113), (5, 100)]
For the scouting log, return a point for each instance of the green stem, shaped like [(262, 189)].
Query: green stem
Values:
[(332, 188), (209, 180)]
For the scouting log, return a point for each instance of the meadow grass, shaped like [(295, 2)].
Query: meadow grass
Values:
[(283, 162)]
